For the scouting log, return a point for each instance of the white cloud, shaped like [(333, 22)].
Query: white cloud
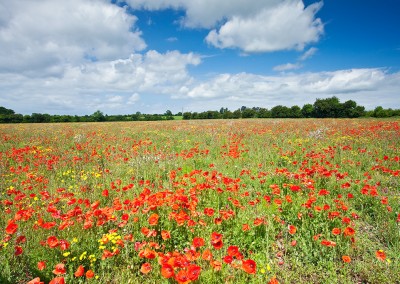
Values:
[(133, 99), (287, 66), (368, 87), (105, 85), (308, 54), (41, 38), (252, 26), (287, 26)]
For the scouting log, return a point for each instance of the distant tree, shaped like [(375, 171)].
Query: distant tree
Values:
[(381, 112), (295, 112), (263, 113), (98, 116), (227, 114), (168, 113), (280, 111), (237, 114), (6, 111), (186, 115), (307, 110), (248, 113), (329, 107)]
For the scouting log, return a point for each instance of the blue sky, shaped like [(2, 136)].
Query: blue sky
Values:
[(120, 57)]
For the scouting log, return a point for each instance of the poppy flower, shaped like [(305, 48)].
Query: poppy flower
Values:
[(59, 269), (165, 235), (145, 268), (328, 243), (249, 266), (292, 229), (207, 255), (11, 227), (216, 240), (153, 219), (57, 280), (273, 281), (193, 272), (346, 258), (80, 271), (89, 274), (52, 241), (35, 281), (167, 271), (41, 265), (380, 254), (228, 259), (18, 250), (64, 244), (182, 277), (198, 242), (348, 231), (233, 251)]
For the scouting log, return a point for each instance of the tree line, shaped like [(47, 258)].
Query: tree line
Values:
[(322, 108)]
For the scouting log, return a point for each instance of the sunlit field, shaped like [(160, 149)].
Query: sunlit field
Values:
[(223, 201)]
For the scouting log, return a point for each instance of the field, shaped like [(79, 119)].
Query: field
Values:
[(232, 201)]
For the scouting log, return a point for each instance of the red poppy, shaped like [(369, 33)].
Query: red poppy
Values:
[(193, 272), (346, 258), (20, 240), (165, 235), (89, 274), (145, 268), (64, 244), (208, 211), (59, 269), (216, 240), (328, 243), (273, 281), (57, 280), (41, 265), (11, 227), (198, 242), (153, 219), (18, 250), (80, 271), (35, 281), (207, 255), (228, 259), (380, 254), (336, 231), (52, 241), (167, 271), (292, 229), (249, 266), (182, 277), (348, 231)]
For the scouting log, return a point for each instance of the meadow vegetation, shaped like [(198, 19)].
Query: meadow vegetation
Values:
[(205, 201)]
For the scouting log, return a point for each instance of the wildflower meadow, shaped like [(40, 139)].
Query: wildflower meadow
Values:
[(206, 201)]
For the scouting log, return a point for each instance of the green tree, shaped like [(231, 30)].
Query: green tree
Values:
[(98, 116), (307, 110), (330, 107)]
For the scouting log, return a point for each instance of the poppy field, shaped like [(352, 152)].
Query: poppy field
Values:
[(221, 201)]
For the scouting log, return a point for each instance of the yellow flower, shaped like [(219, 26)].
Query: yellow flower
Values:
[(67, 253)]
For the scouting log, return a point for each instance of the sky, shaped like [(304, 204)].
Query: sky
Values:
[(120, 57)]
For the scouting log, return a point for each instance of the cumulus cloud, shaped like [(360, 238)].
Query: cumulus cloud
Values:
[(287, 66), (49, 35), (361, 85), (105, 85), (252, 26)]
